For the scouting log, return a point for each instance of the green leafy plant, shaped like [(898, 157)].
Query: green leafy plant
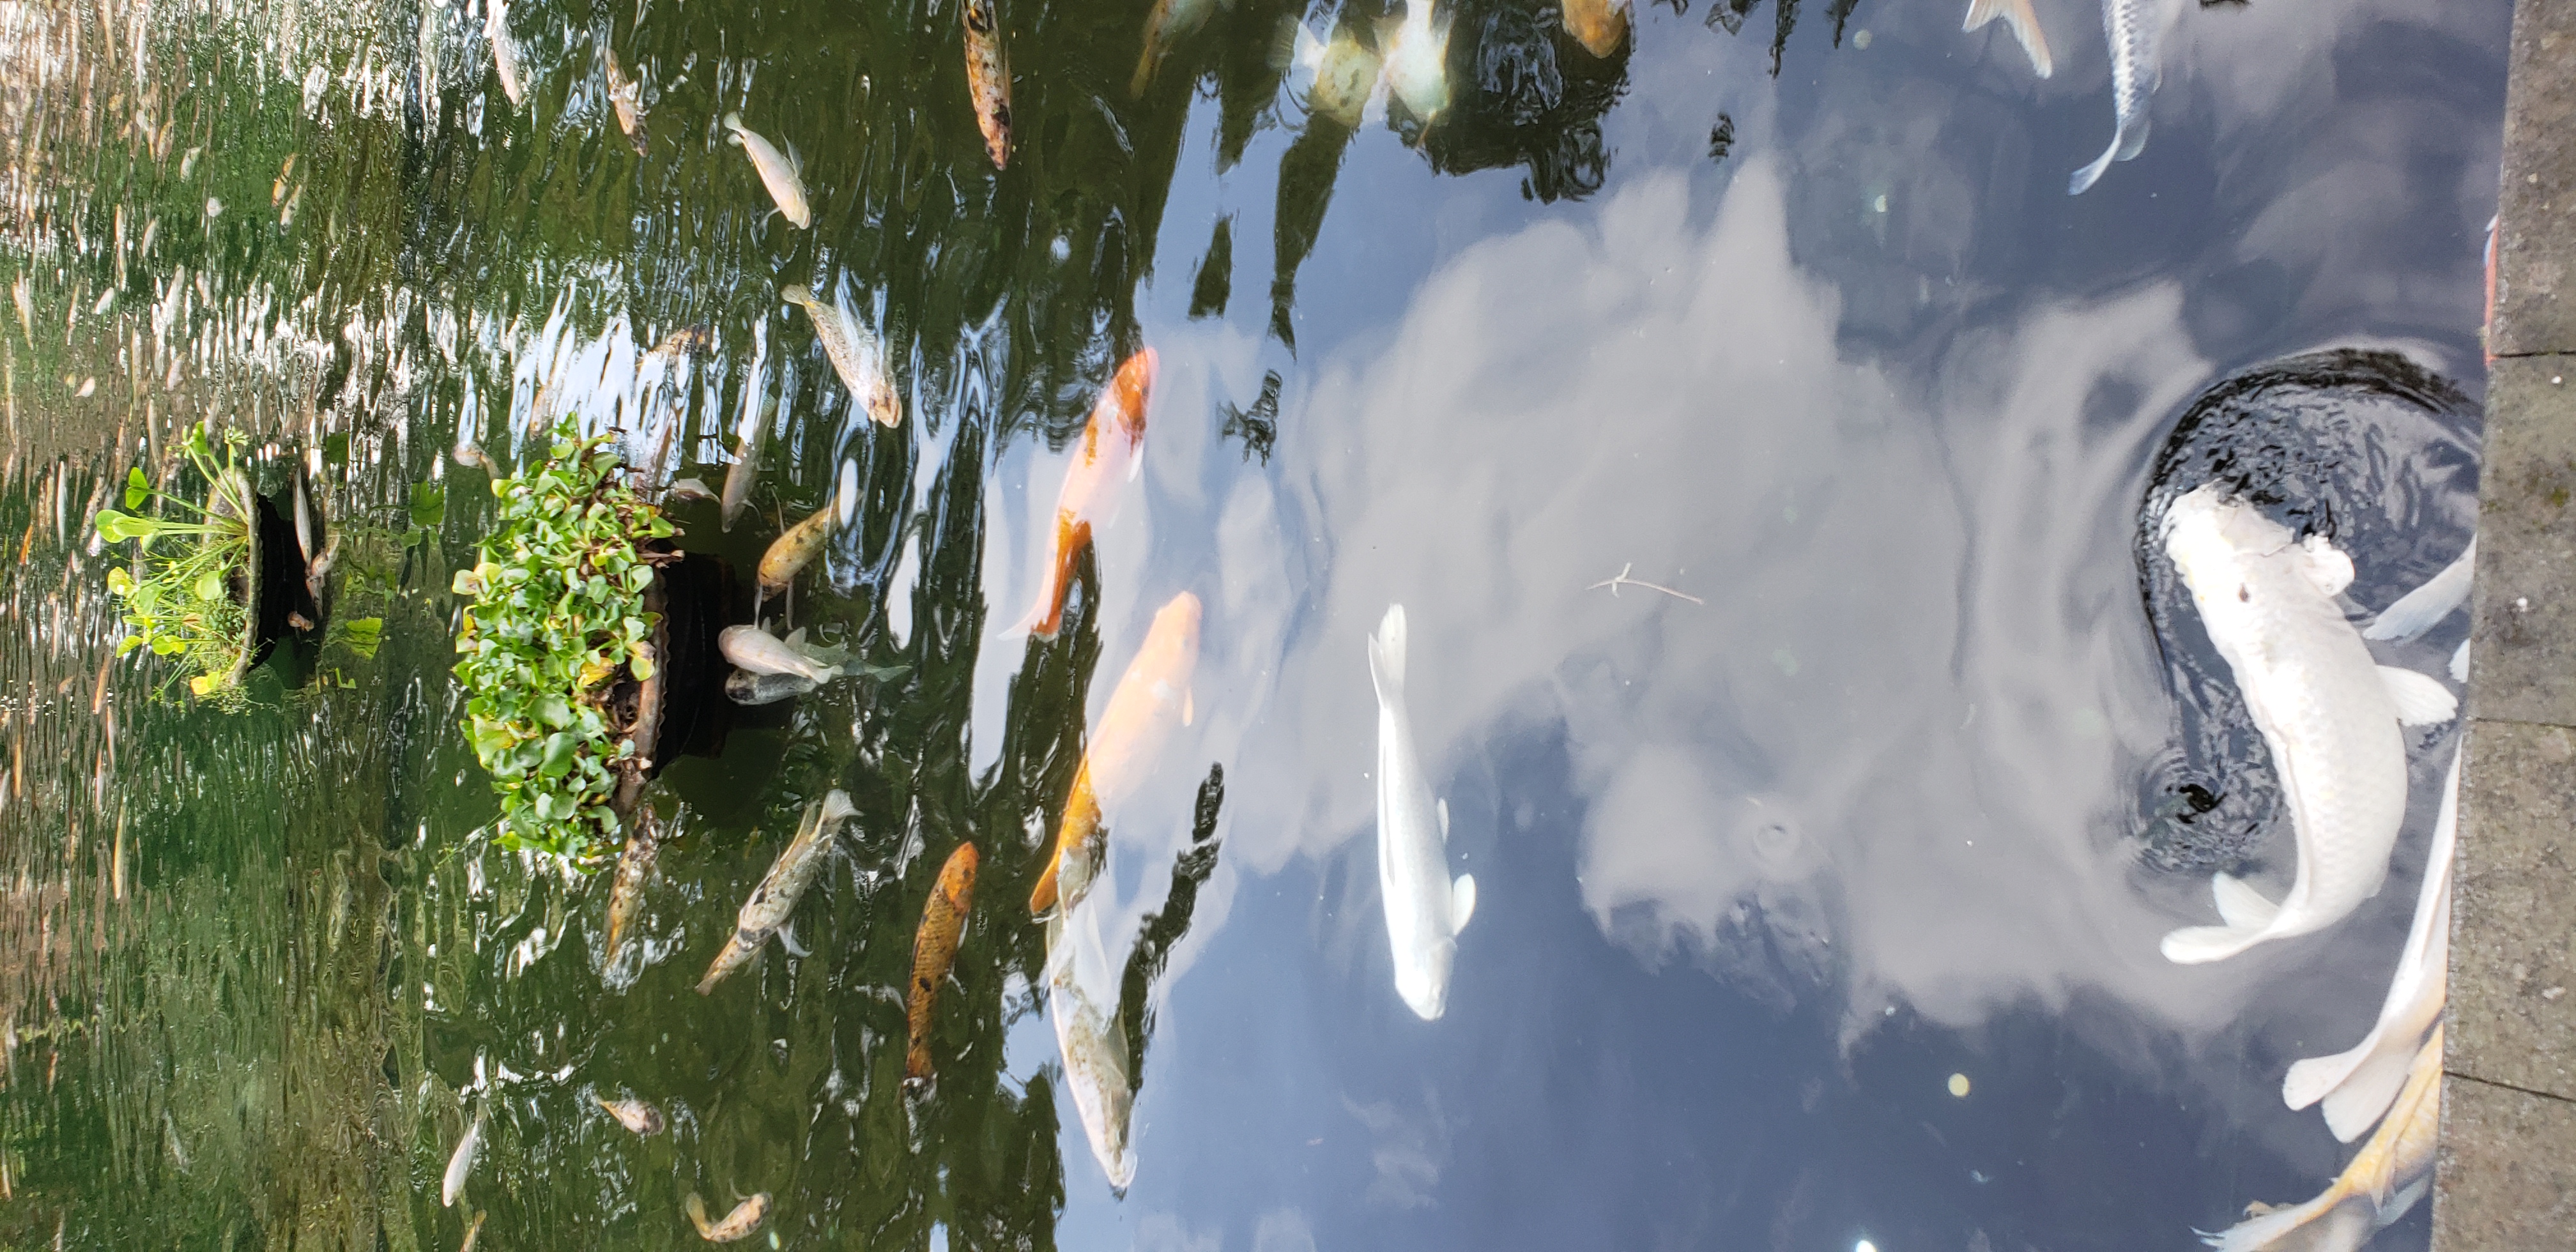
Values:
[(187, 598), (555, 627)]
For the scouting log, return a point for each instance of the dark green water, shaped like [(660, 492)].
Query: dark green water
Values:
[(1848, 803)]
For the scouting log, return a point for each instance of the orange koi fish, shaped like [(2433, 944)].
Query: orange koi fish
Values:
[(934, 948), (1151, 696), (988, 79), (1111, 453)]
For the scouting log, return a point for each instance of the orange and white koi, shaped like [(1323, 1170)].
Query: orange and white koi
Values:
[(1110, 454), (934, 949), (625, 97), (988, 79), (1151, 697), (2385, 1178)]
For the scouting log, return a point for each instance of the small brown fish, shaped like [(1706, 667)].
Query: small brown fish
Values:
[(635, 1115), (1170, 21), (744, 1219), (934, 948), (1151, 697), (625, 97), (766, 912), (686, 341), (793, 551), (626, 891), (988, 79)]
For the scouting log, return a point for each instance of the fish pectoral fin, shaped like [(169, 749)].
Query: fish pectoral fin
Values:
[(2240, 904), (2358, 1102), (2325, 565), (1462, 902), (787, 940), (2421, 700), (2024, 24), (2403, 1202)]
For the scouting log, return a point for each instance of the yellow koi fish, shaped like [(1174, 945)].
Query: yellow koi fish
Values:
[(934, 948), (1150, 698), (988, 79), (793, 551), (1110, 454)]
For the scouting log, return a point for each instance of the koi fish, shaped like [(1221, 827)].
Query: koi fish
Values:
[(759, 652), (2358, 1085), (505, 53), (988, 79), (472, 1230), (2135, 28), (2023, 22), (1417, 59), (744, 1219), (856, 356), (635, 1115), (2385, 1178), (1171, 20), (1425, 908), (1340, 78), (746, 688), (461, 1162), (1110, 455), (766, 912), (2424, 608), (2328, 712), (625, 96), (1599, 25), (626, 890), (791, 552), (934, 948), (745, 468), (686, 341), (779, 172), (1094, 1049), (687, 489), (1151, 696)]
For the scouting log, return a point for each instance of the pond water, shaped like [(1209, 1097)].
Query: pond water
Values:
[(1763, 444)]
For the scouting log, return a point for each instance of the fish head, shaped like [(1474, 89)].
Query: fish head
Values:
[(960, 875), (1133, 385), (1422, 978), (1178, 622)]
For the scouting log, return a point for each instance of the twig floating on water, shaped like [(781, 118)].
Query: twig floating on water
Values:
[(1621, 579)]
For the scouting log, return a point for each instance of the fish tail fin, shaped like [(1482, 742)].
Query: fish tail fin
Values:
[(2240, 905), (2131, 138), (796, 293), (1047, 615), (2363, 1096), (1462, 902), (2082, 180), (696, 1210), (2262, 1231), (733, 125), (2024, 23), (2199, 945), (1386, 656), (2423, 608), (2421, 701), (2460, 662), (2316, 1077)]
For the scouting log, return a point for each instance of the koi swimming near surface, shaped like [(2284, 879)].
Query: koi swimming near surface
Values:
[(988, 79), (779, 172), (1109, 456), (934, 949), (766, 912), (857, 356), (1151, 697)]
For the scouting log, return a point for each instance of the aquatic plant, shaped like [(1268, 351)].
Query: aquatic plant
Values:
[(556, 642), (190, 593)]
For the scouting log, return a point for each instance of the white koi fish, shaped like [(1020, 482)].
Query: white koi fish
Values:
[(2024, 24), (1425, 910), (2136, 28), (759, 652), (2385, 1179), (857, 356), (2424, 608), (2358, 1085), (1417, 59), (2328, 712), (505, 53), (778, 171), (460, 1163), (1095, 1050)]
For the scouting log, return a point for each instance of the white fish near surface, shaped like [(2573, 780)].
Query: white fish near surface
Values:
[(505, 53), (2386, 1178), (1417, 59), (759, 652), (779, 172), (460, 1163), (2021, 20), (2327, 711), (2424, 608), (2136, 29), (1094, 1048), (2358, 1085), (1425, 909), (857, 356)]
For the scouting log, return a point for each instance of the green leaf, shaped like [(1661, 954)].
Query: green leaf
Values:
[(428, 505), (210, 585), (137, 488), (554, 711)]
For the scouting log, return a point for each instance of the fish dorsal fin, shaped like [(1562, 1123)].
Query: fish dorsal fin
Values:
[(2421, 701), (795, 160), (1442, 805), (787, 940), (1462, 902), (2325, 565), (795, 638), (2240, 904)]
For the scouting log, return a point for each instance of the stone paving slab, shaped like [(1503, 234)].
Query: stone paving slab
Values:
[(2504, 1181), (2535, 260), (2513, 948), (2523, 632)]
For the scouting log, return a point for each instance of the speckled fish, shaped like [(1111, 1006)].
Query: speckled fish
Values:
[(934, 948), (1094, 1048), (766, 912), (1151, 697), (1425, 908), (988, 79), (1109, 456), (2358, 1085), (790, 553), (744, 1219), (745, 468), (1417, 59), (760, 652), (461, 1162), (2327, 711), (1599, 25), (2019, 18), (1169, 21), (626, 890), (625, 96), (2386, 1178), (686, 341), (505, 53), (746, 688), (779, 172), (857, 356), (635, 1115), (2135, 28)]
